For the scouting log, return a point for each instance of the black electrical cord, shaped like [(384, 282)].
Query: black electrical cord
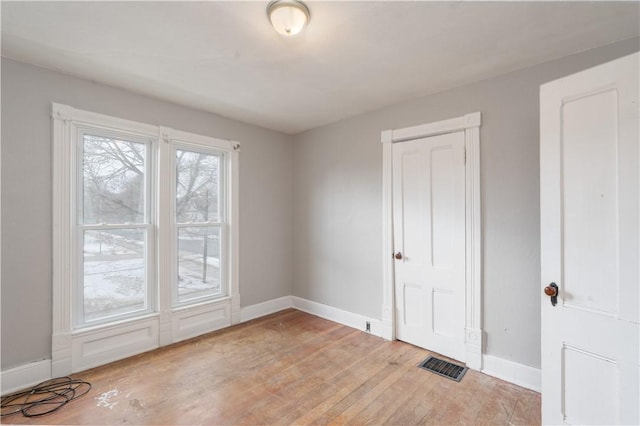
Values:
[(44, 398)]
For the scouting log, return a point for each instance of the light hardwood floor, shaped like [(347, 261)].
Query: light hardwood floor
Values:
[(289, 368)]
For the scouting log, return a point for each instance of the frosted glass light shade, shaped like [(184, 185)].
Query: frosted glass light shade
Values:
[(288, 17)]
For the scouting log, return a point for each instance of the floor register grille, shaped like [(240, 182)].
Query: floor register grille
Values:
[(443, 368)]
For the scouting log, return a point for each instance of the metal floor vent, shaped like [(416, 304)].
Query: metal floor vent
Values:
[(443, 368)]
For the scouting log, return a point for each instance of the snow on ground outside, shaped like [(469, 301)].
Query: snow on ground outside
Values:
[(114, 275)]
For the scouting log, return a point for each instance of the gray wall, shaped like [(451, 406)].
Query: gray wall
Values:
[(338, 201), (317, 193), (265, 198)]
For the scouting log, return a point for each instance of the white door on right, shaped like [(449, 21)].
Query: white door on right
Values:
[(590, 220)]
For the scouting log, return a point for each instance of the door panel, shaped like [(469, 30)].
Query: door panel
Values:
[(429, 215), (412, 227), (414, 305), (590, 204), (442, 183), (442, 311), (590, 212), (582, 368)]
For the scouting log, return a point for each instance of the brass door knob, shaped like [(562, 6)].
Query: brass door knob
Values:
[(552, 291), (398, 255)]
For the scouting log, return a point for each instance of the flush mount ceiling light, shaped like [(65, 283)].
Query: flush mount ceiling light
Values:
[(288, 17)]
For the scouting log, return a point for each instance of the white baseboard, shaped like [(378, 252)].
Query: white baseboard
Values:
[(26, 375), (258, 310), (512, 372), (522, 375), (349, 319)]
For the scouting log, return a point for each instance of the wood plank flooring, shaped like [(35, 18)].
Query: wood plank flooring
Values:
[(288, 368)]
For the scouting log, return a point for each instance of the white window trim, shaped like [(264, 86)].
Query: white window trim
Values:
[(76, 350), (470, 124)]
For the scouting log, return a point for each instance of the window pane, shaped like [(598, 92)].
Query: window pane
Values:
[(197, 187), (114, 180), (198, 262), (114, 272)]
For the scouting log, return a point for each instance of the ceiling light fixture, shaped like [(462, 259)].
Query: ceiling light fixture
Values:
[(288, 17)]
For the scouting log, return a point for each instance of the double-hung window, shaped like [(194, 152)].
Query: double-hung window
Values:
[(114, 247), (199, 223), (145, 237)]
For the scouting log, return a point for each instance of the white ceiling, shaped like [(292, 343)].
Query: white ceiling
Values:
[(354, 57)]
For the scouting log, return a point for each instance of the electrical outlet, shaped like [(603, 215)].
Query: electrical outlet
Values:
[(368, 327)]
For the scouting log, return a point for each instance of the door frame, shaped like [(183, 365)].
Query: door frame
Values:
[(470, 124)]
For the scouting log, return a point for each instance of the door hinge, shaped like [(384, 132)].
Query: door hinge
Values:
[(465, 157)]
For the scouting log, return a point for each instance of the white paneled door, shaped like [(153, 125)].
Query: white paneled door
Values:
[(429, 242), (590, 216)]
